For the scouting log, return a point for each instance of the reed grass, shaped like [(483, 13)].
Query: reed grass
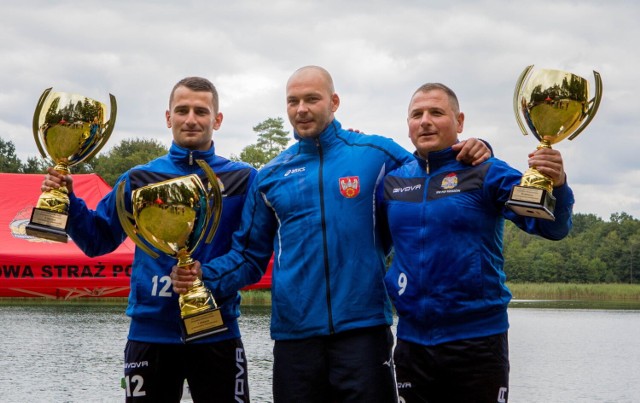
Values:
[(572, 291), (534, 291), (529, 291), (256, 297)]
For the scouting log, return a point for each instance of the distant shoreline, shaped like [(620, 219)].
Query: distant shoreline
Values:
[(520, 291), (573, 291)]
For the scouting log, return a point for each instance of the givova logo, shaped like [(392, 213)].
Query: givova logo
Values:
[(240, 376)]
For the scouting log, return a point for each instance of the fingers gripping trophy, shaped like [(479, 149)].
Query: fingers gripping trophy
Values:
[(553, 105), (173, 217), (70, 129)]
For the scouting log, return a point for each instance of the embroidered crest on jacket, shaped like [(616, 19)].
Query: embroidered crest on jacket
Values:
[(350, 186)]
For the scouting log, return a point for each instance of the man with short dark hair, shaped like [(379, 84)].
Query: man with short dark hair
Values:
[(157, 362), (446, 280), (314, 205)]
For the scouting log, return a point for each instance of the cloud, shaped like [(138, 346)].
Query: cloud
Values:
[(378, 52)]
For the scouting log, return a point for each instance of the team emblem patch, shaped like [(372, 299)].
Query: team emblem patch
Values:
[(450, 181), (349, 186)]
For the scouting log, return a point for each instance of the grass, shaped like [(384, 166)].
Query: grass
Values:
[(528, 291), (571, 291), (534, 291), (256, 297), (250, 297)]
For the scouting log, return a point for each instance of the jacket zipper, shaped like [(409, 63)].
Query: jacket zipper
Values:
[(324, 238)]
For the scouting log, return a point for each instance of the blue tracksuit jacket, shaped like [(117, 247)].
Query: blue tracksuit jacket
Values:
[(446, 222), (153, 306), (314, 206)]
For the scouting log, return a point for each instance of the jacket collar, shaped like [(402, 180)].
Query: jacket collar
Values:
[(436, 159), (326, 139), (184, 156)]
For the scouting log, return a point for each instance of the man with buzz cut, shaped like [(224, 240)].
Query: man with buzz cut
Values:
[(157, 362), (447, 280), (313, 207)]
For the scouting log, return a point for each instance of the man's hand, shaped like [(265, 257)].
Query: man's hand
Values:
[(549, 162), (182, 278), (472, 151), (55, 180)]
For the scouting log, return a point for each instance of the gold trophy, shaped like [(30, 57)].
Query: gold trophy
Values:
[(72, 129), (553, 105), (172, 216)]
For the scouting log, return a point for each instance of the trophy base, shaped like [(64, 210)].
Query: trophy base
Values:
[(532, 202), (48, 225), (202, 324)]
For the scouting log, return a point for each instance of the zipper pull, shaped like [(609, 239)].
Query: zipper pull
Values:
[(190, 157)]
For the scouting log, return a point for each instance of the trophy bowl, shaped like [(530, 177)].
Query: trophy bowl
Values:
[(173, 217), (553, 105), (69, 129)]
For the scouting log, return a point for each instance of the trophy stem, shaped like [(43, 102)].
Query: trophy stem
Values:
[(197, 299), (534, 196), (184, 259), (55, 200), (63, 168), (200, 314), (50, 215), (534, 178), (544, 144)]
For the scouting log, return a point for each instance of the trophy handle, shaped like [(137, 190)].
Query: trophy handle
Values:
[(216, 195), (36, 120), (125, 220), (516, 100), (595, 101), (113, 111)]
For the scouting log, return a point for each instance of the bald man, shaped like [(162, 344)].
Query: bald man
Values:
[(313, 206)]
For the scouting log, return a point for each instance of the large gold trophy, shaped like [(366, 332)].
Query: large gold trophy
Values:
[(173, 216), (553, 105), (70, 129)]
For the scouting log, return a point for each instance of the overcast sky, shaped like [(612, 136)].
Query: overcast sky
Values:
[(378, 52)]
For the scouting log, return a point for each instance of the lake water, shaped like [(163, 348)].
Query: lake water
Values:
[(73, 353)]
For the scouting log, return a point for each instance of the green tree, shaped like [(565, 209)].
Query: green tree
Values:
[(9, 161), (634, 258), (124, 156), (35, 165), (584, 223), (595, 251), (39, 165), (272, 140)]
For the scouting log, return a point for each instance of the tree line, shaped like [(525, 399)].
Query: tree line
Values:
[(272, 140), (596, 251)]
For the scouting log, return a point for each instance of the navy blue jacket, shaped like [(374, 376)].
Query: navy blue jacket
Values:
[(153, 306), (314, 206), (446, 222)]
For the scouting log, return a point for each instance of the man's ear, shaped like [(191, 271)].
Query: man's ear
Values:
[(460, 120), (218, 121), (335, 102)]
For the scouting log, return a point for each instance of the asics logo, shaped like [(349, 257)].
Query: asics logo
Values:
[(294, 171)]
